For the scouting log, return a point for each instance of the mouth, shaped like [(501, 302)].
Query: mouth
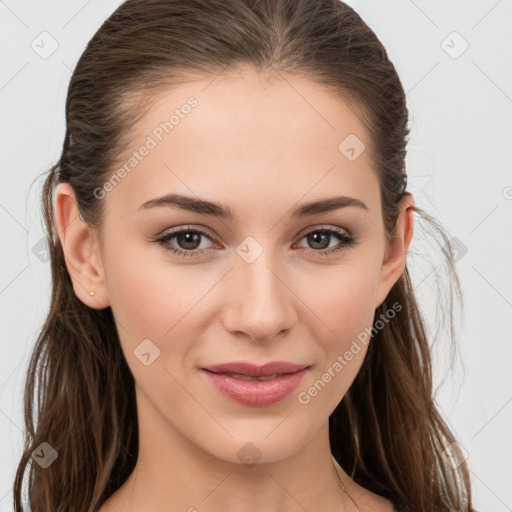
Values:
[(253, 385), (247, 377), (251, 370)]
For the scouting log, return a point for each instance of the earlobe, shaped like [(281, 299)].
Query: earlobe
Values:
[(81, 250), (396, 252)]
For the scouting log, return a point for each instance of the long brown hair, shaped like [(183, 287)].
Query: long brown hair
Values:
[(386, 433)]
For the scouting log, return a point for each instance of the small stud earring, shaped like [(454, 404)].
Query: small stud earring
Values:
[(91, 293)]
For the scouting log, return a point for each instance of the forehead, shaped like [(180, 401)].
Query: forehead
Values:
[(241, 135)]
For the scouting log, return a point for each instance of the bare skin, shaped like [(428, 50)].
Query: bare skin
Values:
[(262, 147)]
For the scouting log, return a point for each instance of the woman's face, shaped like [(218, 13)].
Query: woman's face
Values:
[(263, 284)]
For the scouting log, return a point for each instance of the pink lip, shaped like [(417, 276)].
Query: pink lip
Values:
[(256, 392)]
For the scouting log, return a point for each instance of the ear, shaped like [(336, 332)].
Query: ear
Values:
[(81, 250), (395, 256)]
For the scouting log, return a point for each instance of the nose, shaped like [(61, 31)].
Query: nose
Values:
[(259, 301)]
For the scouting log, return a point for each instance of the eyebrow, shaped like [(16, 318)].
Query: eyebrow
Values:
[(204, 207)]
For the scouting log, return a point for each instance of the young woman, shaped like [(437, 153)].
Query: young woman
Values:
[(232, 324)]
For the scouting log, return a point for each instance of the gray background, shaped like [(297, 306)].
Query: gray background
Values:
[(459, 166)]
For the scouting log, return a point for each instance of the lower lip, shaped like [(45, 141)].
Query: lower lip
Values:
[(256, 393)]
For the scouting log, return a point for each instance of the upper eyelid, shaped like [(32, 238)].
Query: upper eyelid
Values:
[(325, 228), (186, 228)]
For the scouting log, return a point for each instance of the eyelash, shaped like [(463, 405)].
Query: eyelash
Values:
[(163, 240)]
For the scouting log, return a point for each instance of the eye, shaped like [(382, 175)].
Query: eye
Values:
[(188, 241), (320, 240)]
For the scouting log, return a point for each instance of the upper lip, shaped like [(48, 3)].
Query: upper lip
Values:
[(252, 370)]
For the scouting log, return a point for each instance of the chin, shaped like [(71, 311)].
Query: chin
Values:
[(260, 445)]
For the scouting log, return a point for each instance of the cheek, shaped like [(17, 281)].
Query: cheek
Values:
[(156, 303), (147, 299), (342, 298), (157, 300)]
